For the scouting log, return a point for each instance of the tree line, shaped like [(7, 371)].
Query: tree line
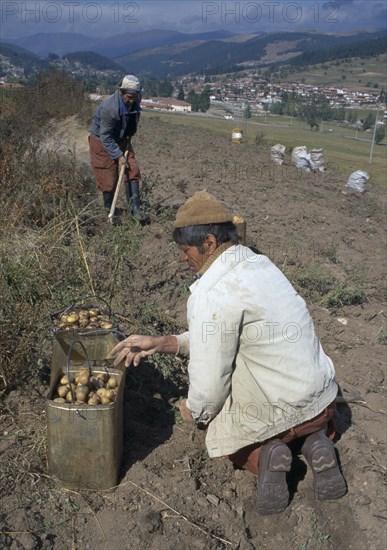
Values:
[(318, 109)]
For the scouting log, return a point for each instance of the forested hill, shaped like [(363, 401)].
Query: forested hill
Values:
[(94, 60), (367, 48), (20, 57), (217, 56)]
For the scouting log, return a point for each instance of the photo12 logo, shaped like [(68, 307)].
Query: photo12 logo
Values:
[(69, 12), (269, 12)]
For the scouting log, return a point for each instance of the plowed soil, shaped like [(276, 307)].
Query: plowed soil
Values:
[(330, 242)]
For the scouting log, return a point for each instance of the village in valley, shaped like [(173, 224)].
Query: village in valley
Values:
[(260, 95)]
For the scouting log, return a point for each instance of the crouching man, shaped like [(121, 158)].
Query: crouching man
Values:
[(258, 376)]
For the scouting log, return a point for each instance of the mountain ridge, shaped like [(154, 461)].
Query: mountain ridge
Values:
[(61, 43), (216, 56), (198, 56)]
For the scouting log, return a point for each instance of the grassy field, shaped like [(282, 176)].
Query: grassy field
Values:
[(342, 150), (368, 74)]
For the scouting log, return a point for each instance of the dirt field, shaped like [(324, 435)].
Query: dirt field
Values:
[(331, 244)]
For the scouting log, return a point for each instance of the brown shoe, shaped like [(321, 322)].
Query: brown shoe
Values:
[(272, 490), (329, 483)]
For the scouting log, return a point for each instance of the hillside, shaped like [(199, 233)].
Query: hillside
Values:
[(216, 56), (118, 44), (42, 44), (357, 73), (362, 48), (93, 60), (15, 57)]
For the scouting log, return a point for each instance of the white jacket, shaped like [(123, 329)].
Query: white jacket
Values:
[(256, 366)]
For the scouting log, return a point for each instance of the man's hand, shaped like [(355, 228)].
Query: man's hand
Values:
[(122, 161), (134, 348)]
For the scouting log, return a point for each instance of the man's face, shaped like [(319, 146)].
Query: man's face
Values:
[(129, 98), (192, 256)]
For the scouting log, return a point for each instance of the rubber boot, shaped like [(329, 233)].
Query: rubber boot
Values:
[(272, 490), (132, 190), (107, 199), (329, 483)]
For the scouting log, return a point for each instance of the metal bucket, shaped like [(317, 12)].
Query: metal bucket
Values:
[(96, 344), (84, 442)]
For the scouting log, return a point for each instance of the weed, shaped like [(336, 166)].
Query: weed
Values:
[(382, 336), (343, 296), (162, 142), (200, 174), (260, 139), (146, 314), (184, 289), (316, 536), (329, 251), (332, 292), (165, 364), (314, 279)]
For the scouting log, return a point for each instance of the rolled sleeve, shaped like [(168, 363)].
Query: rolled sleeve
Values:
[(183, 342)]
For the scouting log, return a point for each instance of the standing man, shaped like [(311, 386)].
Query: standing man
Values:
[(258, 376), (114, 123)]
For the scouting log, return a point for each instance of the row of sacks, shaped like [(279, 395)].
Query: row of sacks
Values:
[(310, 162), (314, 162)]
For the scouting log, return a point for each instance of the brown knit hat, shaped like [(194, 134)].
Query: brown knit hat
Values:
[(202, 208)]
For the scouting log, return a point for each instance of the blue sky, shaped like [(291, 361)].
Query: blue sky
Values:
[(106, 18)]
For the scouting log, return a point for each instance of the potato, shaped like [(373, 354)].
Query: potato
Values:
[(105, 401), (72, 318), (102, 392), (105, 324), (112, 383), (94, 400), (94, 312), (59, 400), (69, 397), (103, 376), (109, 394), (83, 379), (65, 380), (62, 391), (84, 370)]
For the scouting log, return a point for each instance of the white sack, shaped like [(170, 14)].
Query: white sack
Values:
[(317, 160), (277, 153), (357, 181)]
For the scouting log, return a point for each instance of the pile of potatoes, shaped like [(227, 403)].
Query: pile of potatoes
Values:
[(84, 318), (88, 389)]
